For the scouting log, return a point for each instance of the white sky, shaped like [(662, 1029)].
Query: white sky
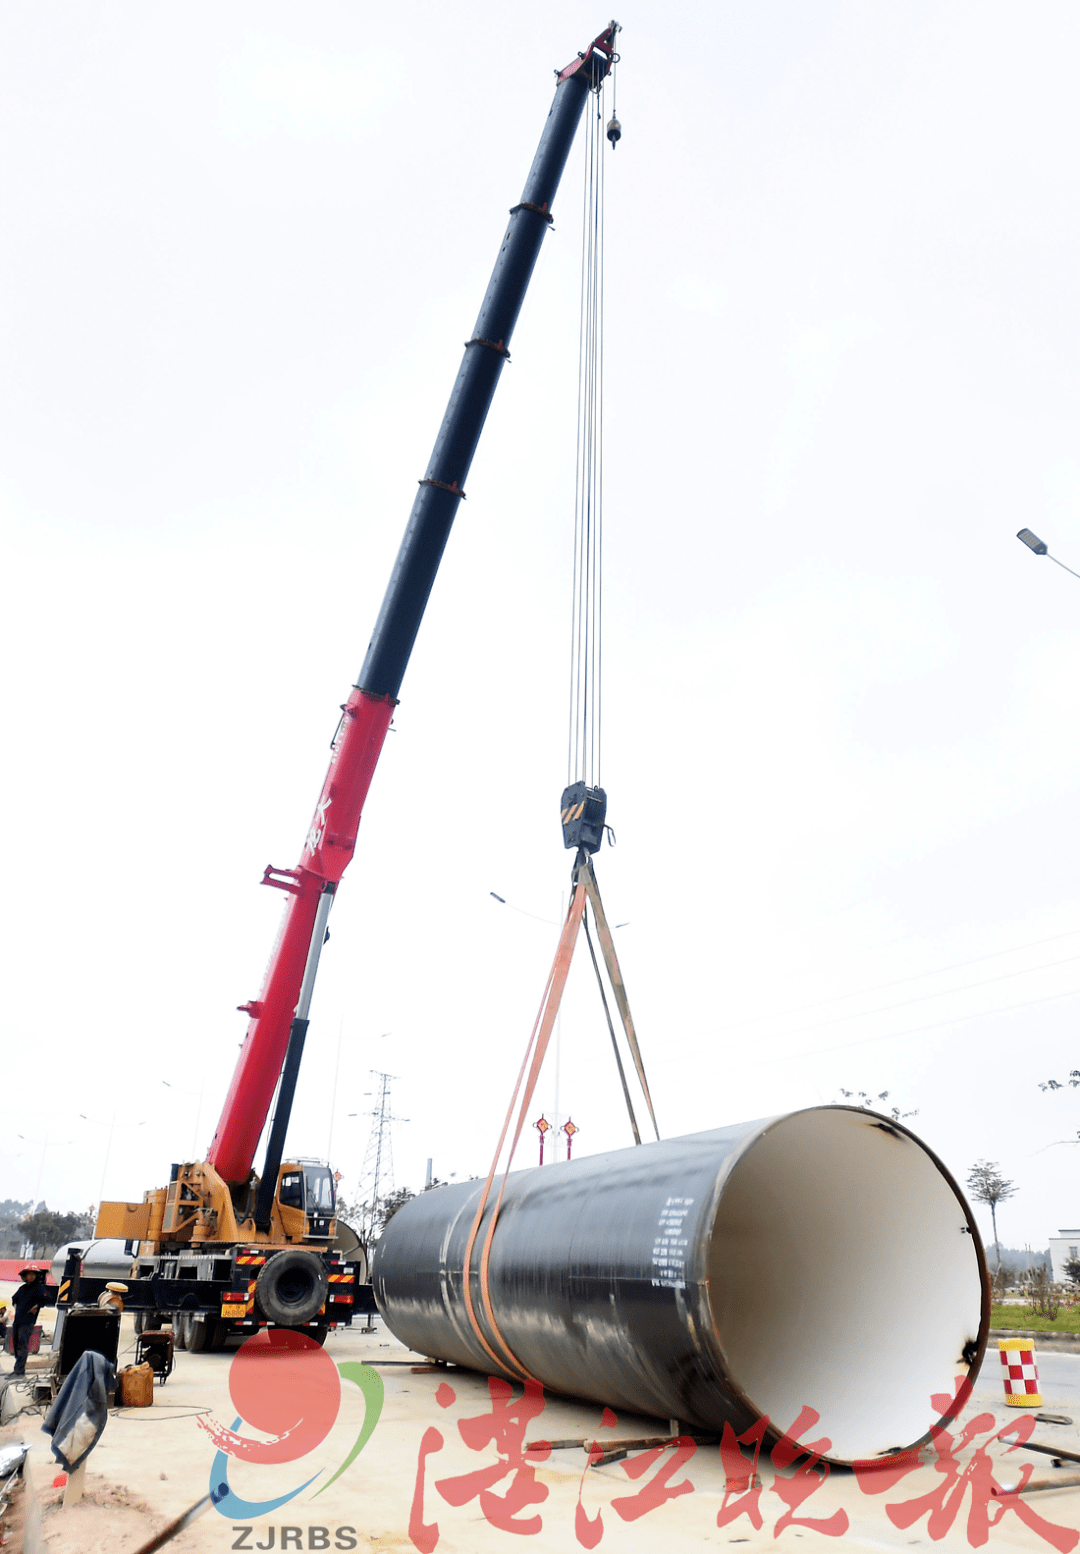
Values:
[(242, 247)]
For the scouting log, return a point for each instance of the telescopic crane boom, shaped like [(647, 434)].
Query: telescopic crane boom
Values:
[(212, 1205), (366, 715)]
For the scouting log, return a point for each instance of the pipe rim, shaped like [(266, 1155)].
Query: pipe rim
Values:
[(707, 1314)]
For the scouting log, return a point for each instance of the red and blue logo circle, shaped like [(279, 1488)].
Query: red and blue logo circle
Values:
[(282, 1383)]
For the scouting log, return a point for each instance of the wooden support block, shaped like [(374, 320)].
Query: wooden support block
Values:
[(74, 1488)]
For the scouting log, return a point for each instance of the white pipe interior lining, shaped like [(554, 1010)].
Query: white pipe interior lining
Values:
[(843, 1276)]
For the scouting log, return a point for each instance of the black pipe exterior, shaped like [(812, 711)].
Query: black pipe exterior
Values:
[(440, 491), (607, 1276)]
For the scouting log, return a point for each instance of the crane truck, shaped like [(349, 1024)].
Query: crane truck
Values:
[(222, 1249)]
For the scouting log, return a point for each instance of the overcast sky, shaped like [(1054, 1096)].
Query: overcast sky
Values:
[(242, 247)]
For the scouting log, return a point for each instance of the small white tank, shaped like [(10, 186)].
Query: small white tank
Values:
[(110, 1259)]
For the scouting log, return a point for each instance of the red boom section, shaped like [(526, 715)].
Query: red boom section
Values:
[(330, 843)]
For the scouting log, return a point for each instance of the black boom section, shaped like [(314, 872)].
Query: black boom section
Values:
[(441, 490)]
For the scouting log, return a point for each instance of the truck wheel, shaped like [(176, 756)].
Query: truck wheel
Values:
[(181, 1324), (319, 1335), (147, 1321), (198, 1334), (291, 1288), (219, 1331)]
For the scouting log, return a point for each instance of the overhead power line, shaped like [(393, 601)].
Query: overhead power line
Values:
[(916, 1030), (921, 998), (917, 976)]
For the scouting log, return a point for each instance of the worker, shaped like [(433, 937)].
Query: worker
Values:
[(3, 1321), (27, 1303)]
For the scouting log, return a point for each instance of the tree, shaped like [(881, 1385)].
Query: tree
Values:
[(1055, 1084), (869, 1103), (1043, 1295), (12, 1215), (1072, 1269), (987, 1185), (370, 1220), (46, 1230), (1073, 1082), (389, 1205), (351, 1213)]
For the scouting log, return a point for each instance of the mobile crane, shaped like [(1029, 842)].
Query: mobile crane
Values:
[(222, 1249)]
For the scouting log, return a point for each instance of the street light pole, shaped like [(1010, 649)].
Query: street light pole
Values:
[(1034, 543), (41, 1166), (111, 1125)]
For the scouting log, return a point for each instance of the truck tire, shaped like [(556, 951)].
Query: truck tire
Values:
[(198, 1333), (291, 1288), (181, 1328)]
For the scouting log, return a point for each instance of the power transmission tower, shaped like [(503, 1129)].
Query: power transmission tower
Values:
[(377, 1175)]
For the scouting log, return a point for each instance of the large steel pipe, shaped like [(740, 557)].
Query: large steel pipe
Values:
[(823, 1259)]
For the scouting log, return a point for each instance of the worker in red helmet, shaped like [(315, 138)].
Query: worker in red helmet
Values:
[(26, 1303)]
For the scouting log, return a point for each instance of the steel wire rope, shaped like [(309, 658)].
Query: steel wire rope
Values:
[(583, 735), (598, 700), (596, 445), (575, 615), (611, 1031), (583, 759)]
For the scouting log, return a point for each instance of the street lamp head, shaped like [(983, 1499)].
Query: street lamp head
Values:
[(1032, 541)]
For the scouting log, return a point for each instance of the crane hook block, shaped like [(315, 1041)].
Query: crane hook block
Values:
[(583, 813), (614, 131)]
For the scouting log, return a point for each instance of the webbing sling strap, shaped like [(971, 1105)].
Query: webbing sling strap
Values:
[(618, 987), (538, 1045), (611, 1032), (585, 887)]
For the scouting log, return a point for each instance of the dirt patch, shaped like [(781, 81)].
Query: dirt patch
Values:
[(108, 1516)]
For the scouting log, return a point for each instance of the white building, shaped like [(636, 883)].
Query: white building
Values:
[(1064, 1246)]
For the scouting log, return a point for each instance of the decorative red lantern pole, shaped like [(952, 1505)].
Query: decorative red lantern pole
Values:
[(569, 1129), (542, 1127)]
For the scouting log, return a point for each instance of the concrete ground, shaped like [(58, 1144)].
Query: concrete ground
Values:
[(152, 1464)]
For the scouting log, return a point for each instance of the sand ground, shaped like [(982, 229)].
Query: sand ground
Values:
[(152, 1464)]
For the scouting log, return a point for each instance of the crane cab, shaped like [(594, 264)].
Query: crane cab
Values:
[(305, 1198)]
